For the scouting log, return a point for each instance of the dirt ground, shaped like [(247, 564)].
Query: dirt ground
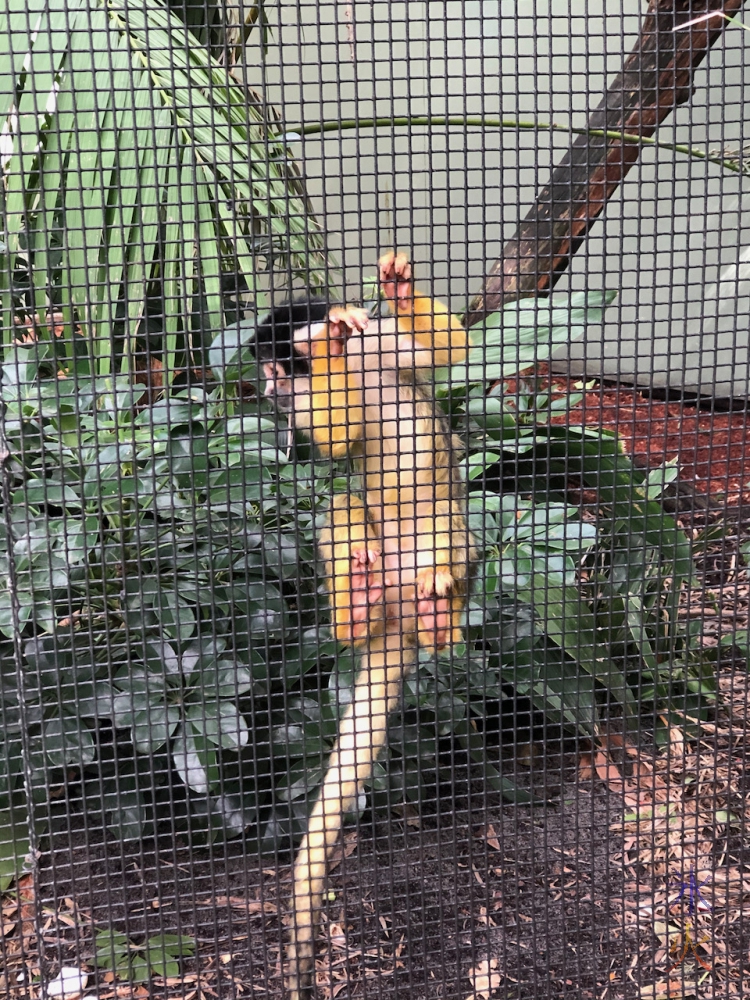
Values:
[(708, 439), (527, 891), (627, 879), (576, 896)]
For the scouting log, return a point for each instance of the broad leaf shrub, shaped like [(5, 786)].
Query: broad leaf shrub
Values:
[(157, 566), (137, 962), (147, 195)]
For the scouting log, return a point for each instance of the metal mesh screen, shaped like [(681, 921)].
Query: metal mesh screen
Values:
[(559, 804)]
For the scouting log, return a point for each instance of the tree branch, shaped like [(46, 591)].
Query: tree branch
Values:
[(656, 78)]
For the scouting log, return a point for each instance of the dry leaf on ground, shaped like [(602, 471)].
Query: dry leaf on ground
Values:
[(485, 979)]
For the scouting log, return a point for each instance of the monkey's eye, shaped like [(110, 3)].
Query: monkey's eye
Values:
[(278, 383), (273, 370)]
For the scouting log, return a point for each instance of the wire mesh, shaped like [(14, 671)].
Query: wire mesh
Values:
[(559, 808)]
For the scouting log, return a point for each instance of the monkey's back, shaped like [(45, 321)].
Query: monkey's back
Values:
[(413, 485)]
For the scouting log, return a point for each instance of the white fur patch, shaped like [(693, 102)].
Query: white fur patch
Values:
[(306, 333)]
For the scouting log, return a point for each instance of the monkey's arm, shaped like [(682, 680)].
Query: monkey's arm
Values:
[(439, 334), (337, 405)]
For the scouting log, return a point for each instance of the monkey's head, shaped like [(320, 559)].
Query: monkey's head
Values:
[(282, 348)]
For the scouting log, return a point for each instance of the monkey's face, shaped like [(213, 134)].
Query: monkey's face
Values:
[(288, 388), (282, 347), (285, 388), (279, 385)]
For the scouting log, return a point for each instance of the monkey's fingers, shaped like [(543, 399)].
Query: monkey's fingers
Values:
[(353, 317), (433, 604), (367, 584), (434, 581), (342, 322), (366, 590), (394, 271)]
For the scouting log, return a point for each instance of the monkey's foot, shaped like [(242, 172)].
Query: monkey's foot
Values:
[(434, 605), (342, 322), (394, 271), (366, 589)]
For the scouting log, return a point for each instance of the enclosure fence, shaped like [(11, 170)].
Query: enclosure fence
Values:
[(374, 499)]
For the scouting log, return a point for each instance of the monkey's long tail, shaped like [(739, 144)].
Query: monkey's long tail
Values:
[(362, 734)]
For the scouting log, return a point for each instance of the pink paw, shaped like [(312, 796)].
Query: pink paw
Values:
[(342, 322), (366, 590), (433, 604)]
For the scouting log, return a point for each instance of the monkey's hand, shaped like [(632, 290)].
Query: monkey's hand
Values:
[(342, 322), (434, 585), (365, 591), (394, 271)]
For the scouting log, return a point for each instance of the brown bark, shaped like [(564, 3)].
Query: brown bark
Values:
[(656, 78)]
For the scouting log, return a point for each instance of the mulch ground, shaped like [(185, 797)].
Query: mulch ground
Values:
[(711, 446), (628, 878)]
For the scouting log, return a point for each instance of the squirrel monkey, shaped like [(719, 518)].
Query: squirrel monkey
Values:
[(398, 562)]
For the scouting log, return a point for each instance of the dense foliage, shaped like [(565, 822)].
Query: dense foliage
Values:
[(157, 559)]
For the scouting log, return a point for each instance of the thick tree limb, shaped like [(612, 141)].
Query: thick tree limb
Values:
[(656, 78)]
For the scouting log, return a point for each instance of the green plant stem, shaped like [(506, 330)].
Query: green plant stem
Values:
[(506, 124)]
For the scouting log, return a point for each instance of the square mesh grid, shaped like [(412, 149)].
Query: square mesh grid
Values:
[(558, 807)]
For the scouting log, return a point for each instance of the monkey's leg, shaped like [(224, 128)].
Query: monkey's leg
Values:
[(362, 734), (435, 608), (465, 556), (337, 407), (436, 591), (350, 547), (439, 334)]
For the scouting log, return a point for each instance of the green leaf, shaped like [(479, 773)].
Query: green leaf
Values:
[(163, 947), (566, 619), (68, 742), (129, 816), (220, 723), (658, 479), (14, 844), (112, 950), (153, 727), (229, 354), (740, 638), (175, 614), (140, 970), (225, 679), (195, 761), (525, 332), (38, 492)]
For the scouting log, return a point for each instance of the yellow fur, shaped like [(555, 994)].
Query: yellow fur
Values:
[(429, 321), (337, 412), (347, 530)]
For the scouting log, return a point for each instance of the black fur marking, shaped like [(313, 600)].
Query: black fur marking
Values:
[(274, 335)]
